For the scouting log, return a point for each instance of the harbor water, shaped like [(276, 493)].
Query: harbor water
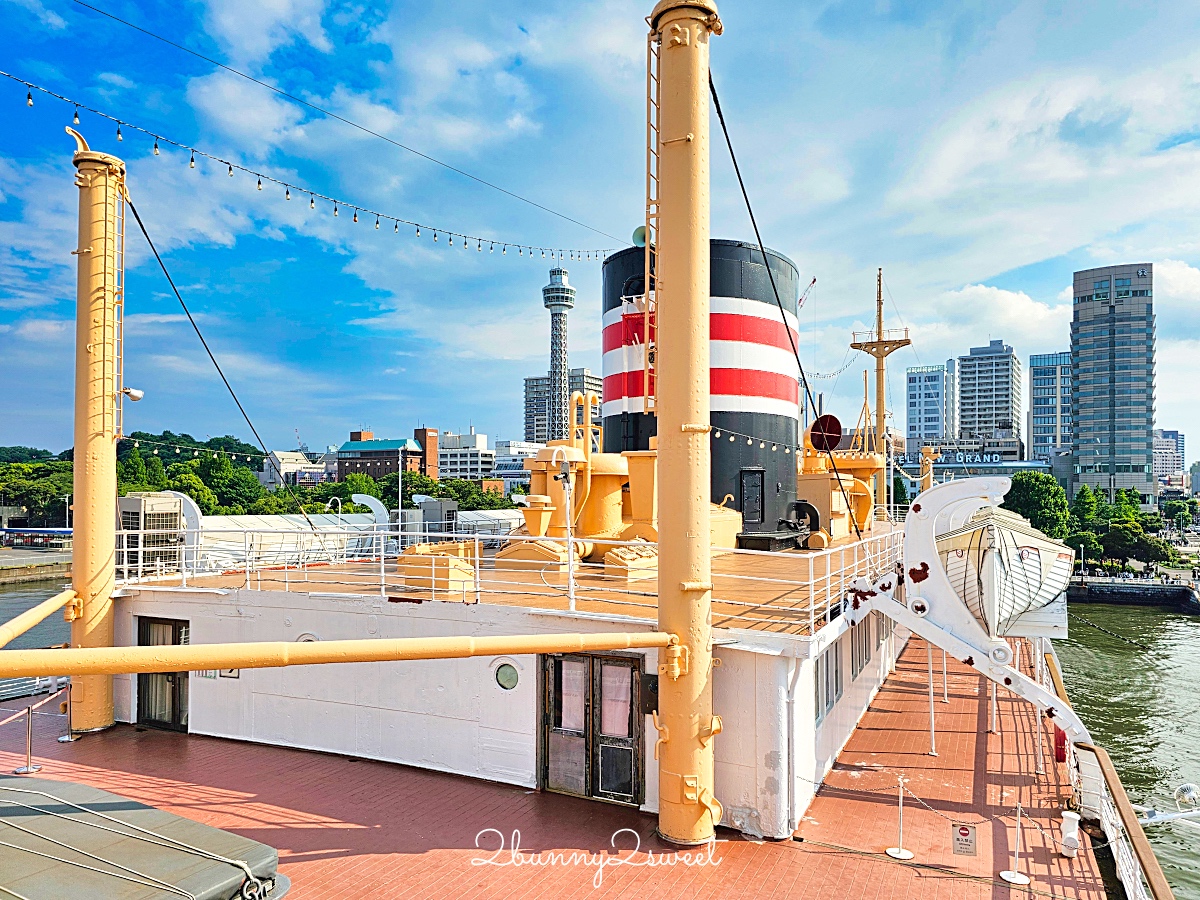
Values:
[(16, 598), (1142, 706)]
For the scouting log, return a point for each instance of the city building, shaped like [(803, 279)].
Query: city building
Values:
[(989, 392), (1178, 438), (932, 405), (465, 456), (1049, 426), (1112, 404), (510, 463), (1168, 463), (366, 454), (290, 467), (537, 401), (966, 454)]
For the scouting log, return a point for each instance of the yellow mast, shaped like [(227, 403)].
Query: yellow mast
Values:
[(101, 182), (880, 344), (688, 811)]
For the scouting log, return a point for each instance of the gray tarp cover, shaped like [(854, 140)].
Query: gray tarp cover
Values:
[(35, 876)]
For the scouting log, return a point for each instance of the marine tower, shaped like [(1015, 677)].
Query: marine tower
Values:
[(558, 297)]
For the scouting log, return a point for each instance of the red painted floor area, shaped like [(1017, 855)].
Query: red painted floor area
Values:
[(347, 828)]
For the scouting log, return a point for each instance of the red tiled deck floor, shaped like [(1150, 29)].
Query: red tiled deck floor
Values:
[(349, 828)]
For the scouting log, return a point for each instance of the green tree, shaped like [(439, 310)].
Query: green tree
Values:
[(131, 472), (1040, 498), (416, 483), (358, 483), (1084, 507), (156, 475), (189, 483), (900, 490), (23, 454), (1086, 545), (1177, 512)]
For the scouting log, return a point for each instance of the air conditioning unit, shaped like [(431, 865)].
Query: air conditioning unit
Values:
[(150, 540)]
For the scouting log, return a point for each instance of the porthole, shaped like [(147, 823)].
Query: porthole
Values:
[(506, 676)]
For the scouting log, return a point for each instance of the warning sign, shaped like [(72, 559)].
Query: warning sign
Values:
[(963, 839)]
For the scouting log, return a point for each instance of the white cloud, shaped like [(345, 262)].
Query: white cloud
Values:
[(49, 18), (45, 330), (251, 32)]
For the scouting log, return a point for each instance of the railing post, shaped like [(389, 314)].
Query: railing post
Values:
[(932, 723), (478, 566), (246, 553), (382, 571), (70, 735), (29, 768)]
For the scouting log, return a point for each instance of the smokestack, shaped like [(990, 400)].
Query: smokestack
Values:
[(558, 297)]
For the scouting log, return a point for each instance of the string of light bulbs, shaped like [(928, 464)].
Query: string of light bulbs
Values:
[(180, 450), (453, 238), (722, 434)]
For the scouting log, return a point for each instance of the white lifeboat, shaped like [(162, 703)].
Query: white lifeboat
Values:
[(1002, 567)]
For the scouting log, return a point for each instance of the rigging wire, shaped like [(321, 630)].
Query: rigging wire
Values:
[(313, 195), (775, 288), (342, 119), (217, 365)]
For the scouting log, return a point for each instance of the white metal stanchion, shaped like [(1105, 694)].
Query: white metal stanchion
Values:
[(1013, 875), (898, 852), (932, 729), (945, 686), (992, 727)]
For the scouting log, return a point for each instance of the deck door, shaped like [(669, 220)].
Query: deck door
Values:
[(593, 727), (162, 697)]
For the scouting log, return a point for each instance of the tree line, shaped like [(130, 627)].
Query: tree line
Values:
[(1104, 532), (220, 474)]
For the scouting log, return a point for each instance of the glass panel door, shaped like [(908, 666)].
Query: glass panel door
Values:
[(566, 747), (162, 697), (593, 727), (615, 741)]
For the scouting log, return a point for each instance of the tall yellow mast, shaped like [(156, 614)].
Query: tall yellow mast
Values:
[(880, 344), (680, 29), (101, 182)]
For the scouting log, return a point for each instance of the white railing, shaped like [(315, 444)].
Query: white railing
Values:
[(797, 592)]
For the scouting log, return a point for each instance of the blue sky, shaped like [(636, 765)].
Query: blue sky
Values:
[(979, 152)]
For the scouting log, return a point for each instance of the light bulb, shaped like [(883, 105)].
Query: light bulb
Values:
[(119, 137), (287, 193), (773, 448), (335, 209), (192, 161), (435, 237), (418, 231), (396, 230), (260, 184), (543, 254), (731, 439), (716, 434), (355, 219), (231, 170), (492, 248), (787, 449), (137, 443), (156, 451), (195, 453), (156, 147), (749, 441), (520, 251), (29, 98), (377, 223), (504, 250), (312, 202), (761, 444), (479, 246), (75, 118), (176, 451)]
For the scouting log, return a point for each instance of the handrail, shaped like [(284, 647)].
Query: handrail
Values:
[(1160, 889), (40, 703), (20, 624)]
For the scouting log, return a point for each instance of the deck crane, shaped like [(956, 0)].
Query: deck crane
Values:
[(804, 296)]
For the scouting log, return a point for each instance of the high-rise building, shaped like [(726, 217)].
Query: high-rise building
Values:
[(1049, 427), (537, 401), (558, 297), (1168, 464), (989, 392), (1112, 354), (932, 405)]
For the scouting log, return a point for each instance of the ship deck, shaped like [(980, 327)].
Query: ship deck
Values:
[(784, 593), (352, 828)]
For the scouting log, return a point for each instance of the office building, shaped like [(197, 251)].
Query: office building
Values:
[(1178, 438), (1049, 427), (291, 467), (1112, 354), (932, 405), (510, 463), (1168, 463), (465, 456), (366, 454), (537, 401), (989, 392)]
